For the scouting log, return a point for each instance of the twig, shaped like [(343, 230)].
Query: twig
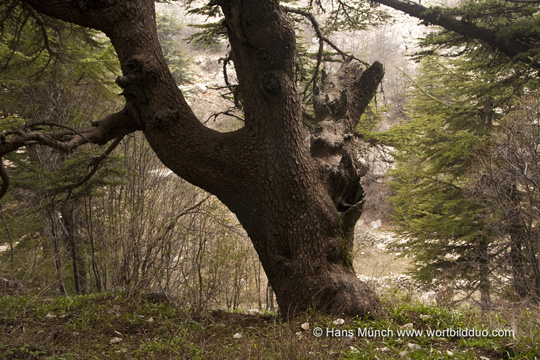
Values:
[(322, 39), (95, 166)]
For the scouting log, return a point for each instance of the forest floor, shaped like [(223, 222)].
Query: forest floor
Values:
[(107, 326)]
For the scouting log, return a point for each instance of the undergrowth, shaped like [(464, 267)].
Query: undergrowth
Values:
[(107, 326)]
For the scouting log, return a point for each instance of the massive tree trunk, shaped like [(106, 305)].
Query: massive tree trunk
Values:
[(297, 194)]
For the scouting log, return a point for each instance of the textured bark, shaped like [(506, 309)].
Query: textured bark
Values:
[(297, 196)]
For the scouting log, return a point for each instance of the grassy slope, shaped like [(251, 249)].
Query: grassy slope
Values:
[(118, 327)]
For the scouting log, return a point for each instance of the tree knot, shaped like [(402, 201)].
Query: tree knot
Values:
[(132, 82), (271, 84)]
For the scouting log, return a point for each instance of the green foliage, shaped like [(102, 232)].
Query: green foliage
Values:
[(454, 108), (512, 22), (53, 76), (169, 31), (352, 15), (436, 147), (463, 94)]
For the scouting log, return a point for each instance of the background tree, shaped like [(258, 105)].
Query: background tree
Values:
[(68, 82), (506, 183), (461, 97), (446, 232)]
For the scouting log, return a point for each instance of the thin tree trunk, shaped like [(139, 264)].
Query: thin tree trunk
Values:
[(11, 245), (90, 231), (57, 257), (485, 283)]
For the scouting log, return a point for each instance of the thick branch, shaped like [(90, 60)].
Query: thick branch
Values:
[(113, 126), (263, 50), (81, 12), (509, 46), (180, 140)]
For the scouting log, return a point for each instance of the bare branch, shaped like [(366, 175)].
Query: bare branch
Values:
[(322, 39), (228, 112), (113, 126), (192, 208), (95, 166), (233, 88)]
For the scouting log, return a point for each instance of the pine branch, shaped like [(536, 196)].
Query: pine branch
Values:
[(508, 46)]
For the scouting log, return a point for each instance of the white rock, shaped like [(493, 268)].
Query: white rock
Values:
[(237, 336), (115, 340), (50, 316), (305, 326), (201, 87), (414, 346), (338, 322), (429, 297), (376, 224), (449, 353), (408, 326)]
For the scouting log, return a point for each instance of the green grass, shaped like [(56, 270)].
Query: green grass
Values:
[(106, 326)]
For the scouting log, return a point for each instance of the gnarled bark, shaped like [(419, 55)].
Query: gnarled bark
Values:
[(297, 196)]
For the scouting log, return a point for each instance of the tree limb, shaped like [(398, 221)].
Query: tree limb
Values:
[(115, 125), (508, 46)]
